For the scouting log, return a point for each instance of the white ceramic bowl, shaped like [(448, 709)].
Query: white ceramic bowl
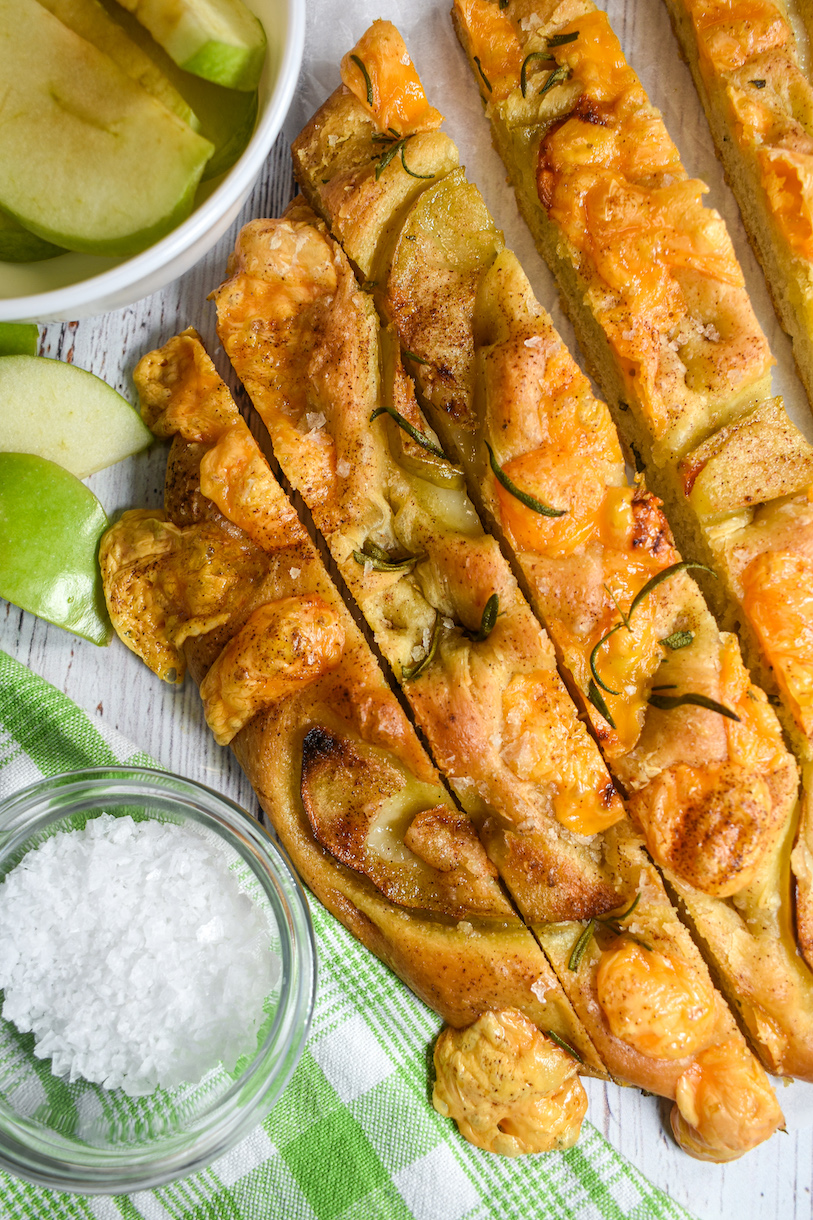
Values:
[(80, 285)]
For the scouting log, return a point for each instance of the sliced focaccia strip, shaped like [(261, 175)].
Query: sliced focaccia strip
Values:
[(236, 590), (649, 274), (491, 708), (667, 693), (759, 104)]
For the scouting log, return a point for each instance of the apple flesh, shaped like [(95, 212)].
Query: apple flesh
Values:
[(65, 414), (226, 117), (50, 527), (91, 20), (89, 160), (220, 40)]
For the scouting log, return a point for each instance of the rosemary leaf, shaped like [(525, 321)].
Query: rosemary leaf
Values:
[(557, 77), (380, 561), (360, 65), (482, 73), (523, 72), (522, 496), (408, 672), (387, 156), (565, 1046), (593, 669), (375, 551), (560, 40), (489, 618), (597, 699), (678, 639), (666, 703), (420, 438), (411, 356), (758, 84), (411, 172), (664, 575), (580, 946)]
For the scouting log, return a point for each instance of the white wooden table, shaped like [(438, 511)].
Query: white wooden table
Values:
[(772, 1183)]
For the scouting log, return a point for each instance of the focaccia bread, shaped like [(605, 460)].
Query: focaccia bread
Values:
[(303, 339), (226, 581), (759, 104), (702, 757)]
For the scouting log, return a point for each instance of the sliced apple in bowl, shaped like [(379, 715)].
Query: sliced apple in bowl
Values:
[(89, 160), (220, 40)]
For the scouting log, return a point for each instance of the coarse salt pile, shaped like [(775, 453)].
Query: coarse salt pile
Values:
[(132, 953)]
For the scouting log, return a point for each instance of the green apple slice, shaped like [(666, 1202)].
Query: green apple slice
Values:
[(226, 116), (65, 414), (50, 526), (91, 21), (18, 245), (19, 338), (220, 40), (88, 159)]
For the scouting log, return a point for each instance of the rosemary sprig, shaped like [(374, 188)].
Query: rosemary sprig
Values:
[(409, 672), (419, 437), (565, 1046), (613, 922), (361, 67), (636, 601), (678, 639), (666, 703), (662, 576), (580, 947), (380, 560), (390, 153), (593, 669), (597, 699), (486, 81), (523, 496), (523, 72)]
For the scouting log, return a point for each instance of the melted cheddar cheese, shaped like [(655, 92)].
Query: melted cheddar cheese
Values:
[(398, 103), (499, 50), (285, 645), (655, 1002), (510, 1089), (550, 749), (778, 599), (724, 1104)]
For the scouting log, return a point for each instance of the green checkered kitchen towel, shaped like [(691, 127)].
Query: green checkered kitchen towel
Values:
[(354, 1136)]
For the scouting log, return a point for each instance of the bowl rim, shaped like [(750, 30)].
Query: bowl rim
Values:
[(234, 1115), (74, 299)]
